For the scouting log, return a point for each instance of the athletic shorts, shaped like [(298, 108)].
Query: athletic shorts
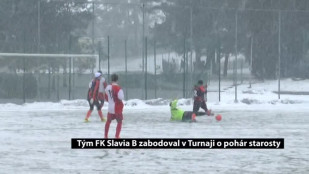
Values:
[(118, 117), (98, 104), (199, 104), (187, 116)]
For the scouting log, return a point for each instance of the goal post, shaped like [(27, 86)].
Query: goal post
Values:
[(68, 57), (49, 55), (31, 55)]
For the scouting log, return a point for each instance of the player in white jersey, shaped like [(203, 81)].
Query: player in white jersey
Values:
[(114, 95)]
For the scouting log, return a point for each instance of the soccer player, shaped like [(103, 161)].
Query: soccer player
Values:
[(199, 99), (181, 115), (114, 95), (95, 95), (102, 88)]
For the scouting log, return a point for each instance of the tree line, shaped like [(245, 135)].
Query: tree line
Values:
[(208, 27), (205, 27)]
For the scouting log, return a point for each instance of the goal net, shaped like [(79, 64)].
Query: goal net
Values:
[(45, 77)]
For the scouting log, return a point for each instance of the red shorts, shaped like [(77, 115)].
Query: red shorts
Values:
[(118, 117)]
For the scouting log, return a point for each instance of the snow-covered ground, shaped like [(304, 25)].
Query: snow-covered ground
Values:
[(36, 137)]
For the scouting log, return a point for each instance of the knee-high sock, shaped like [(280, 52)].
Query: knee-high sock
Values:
[(107, 124), (118, 129), (193, 116), (88, 114), (100, 114), (208, 112)]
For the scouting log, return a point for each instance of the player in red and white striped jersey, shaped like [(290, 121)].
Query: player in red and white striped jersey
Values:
[(95, 95), (114, 96)]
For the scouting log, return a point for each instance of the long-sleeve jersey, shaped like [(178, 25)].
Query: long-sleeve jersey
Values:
[(199, 92), (102, 85), (114, 95), (97, 89), (102, 88), (93, 91)]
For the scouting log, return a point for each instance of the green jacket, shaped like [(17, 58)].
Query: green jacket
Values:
[(177, 114)]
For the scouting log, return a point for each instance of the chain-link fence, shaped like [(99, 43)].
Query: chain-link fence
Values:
[(159, 49)]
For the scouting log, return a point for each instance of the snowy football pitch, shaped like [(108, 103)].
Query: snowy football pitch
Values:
[(40, 142)]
